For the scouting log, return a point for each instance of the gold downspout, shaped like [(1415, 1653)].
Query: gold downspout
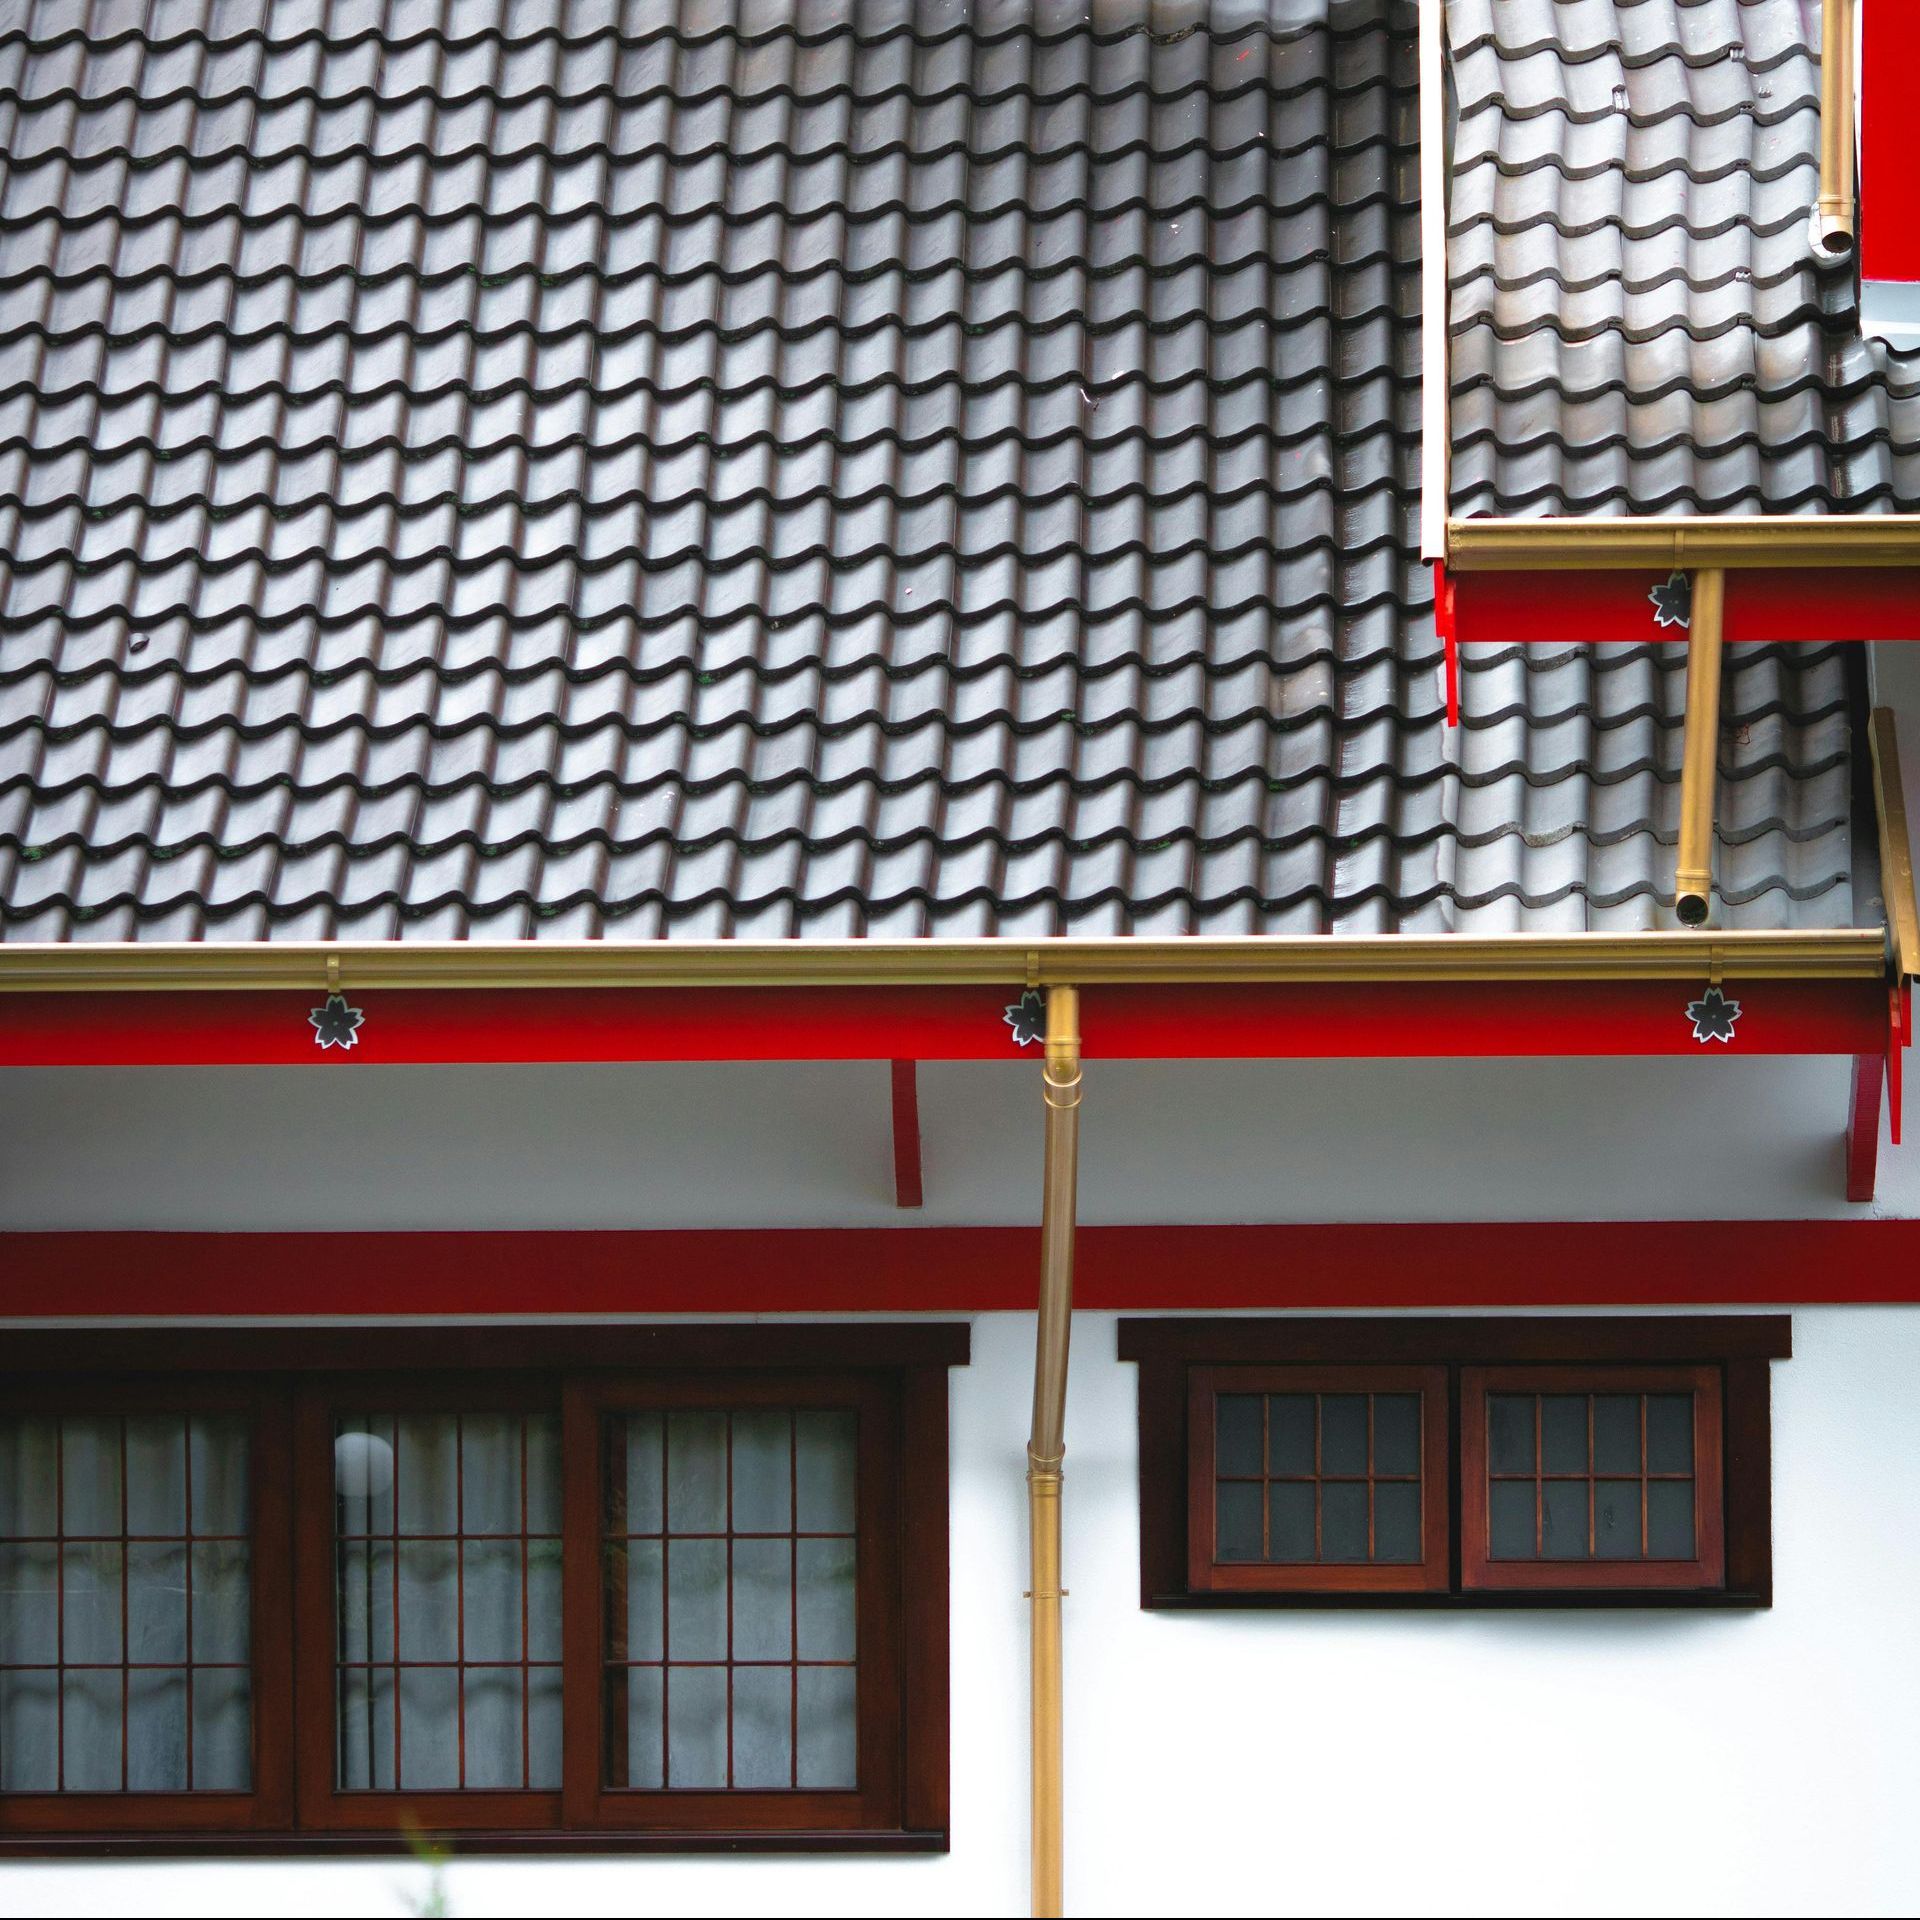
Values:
[(1700, 756), (1046, 1446), (1833, 219)]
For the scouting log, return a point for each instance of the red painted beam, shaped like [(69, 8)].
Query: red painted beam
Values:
[(1543, 607), (960, 1269), (1889, 154), (908, 1188), (1863, 1125), (422, 1026)]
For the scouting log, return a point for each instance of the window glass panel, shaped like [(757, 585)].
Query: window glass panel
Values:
[(1290, 1439), (763, 1726), (1237, 1519), (125, 1597), (758, 1601), (29, 1478), (762, 1470), (157, 1730), (697, 1472), (1669, 1433), (440, 1655), (1563, 1432), (1343, 1433), (1238, 1444), (1396, 1520), (1290, 1503), (826, 1747), (1510, 1432), (1512, 1516), (1563, 1520), (1396, 1433), (1616, 1433), (1670, 1519), (825, 1473), (697, 1727), (1616, 1519), (90, 1476), (1343, 1520)]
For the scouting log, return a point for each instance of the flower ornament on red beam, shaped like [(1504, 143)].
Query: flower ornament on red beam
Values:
[(1673, 601), (336, 1024), (1028, 1018), (1713, 1015)]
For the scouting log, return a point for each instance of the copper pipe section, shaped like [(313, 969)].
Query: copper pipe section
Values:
[(1700, 756), (1833, 217), (1046, 1445)]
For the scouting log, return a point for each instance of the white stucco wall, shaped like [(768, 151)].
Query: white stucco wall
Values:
[(361, 1145), (1602, 1763)]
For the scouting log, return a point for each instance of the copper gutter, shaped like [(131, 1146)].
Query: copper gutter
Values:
[(1896, 852), (1046, 1444), (1436, 429), (1833, 215), (1654, 541), (1700, 756), (1838, 953)]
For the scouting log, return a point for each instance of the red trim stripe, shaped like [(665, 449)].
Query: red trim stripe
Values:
[(960, 1269)]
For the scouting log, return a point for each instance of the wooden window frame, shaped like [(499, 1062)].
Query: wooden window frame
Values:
[(1208, 1574), (1736, 1350), (268, 1804), (293, 1383), (1705, 1571)]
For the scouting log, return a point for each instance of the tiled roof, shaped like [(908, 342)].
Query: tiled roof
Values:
[(1640, 319), (827, 469)]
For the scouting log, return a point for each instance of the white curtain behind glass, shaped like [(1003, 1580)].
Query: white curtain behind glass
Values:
[(125, 1599)]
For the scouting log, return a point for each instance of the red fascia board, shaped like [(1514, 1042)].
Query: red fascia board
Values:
[(959, 1269), (1544, 607), (1889, 153), (452, 1026)]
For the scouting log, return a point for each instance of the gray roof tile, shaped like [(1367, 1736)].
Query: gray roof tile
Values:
[(842, 468), (1639, 319)]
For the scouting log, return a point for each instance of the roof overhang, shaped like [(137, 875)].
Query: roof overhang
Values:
[(1832, 954)]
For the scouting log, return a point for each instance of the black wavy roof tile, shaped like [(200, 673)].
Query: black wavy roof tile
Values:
[(837, 468)]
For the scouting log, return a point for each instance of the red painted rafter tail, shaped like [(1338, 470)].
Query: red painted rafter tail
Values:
[(908, 1186), (1449, 638), (1898, 1027), (1863, 1127)]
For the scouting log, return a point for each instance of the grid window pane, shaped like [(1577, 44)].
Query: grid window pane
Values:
[(1614, 1480), (446, 1570), (1341, 1482), (729, 1569), (125, 1598)]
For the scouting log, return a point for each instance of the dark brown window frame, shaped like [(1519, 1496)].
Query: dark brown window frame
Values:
[(1738, 1348), (289, 1381), (1705, 1570), (1208, 1574)]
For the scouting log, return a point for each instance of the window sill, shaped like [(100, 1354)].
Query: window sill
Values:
[(1583, 1600), (187, 1846)]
